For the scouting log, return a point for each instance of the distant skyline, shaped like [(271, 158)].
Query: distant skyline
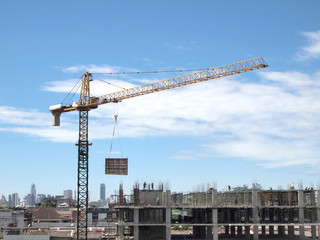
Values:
[(66, 193), (260, 126)]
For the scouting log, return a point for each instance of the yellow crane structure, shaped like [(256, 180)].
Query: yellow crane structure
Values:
[(87, 102)]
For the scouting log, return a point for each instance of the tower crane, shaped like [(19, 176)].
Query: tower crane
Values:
[(87, 102)]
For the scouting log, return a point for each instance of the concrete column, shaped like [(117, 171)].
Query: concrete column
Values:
[(168, 223), (214, 197), (263, 230), (121, 232), (168, 214), (313, 217), (255, 214), (291, 232), (247, 232), (121, 220), (318, 211), (168, 198), (215, 234), (301, 213), (136, 222)]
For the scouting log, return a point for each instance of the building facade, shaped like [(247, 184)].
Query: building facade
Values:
[(67, 194), (248, 214)]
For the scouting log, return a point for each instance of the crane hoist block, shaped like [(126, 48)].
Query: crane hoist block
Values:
[(116, 166)]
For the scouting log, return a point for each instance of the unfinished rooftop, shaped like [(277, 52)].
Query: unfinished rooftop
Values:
[(150, 213)]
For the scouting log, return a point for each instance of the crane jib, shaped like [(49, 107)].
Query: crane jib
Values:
[(164, 85), (89, 103)]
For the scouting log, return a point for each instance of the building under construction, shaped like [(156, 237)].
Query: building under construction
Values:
[(210, 214)]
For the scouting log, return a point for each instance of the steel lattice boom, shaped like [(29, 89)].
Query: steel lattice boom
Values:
[(86, 103)]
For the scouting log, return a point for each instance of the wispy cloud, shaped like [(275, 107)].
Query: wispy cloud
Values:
[(35, 124), (189, 46), (93, 68), (312, 49), (273, 122), (13, 116), (145, 59), (100, 87), (60, 86)]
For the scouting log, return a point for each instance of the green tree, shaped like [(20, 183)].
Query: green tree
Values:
[(49, 202)]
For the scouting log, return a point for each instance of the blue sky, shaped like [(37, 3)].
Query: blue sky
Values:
[(261, 126)]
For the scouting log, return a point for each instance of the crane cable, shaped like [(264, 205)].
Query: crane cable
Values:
[(109, 83), (115, 131), (161, 71), (72, 91)]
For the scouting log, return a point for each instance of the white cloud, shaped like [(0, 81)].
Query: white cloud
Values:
[(49, 133), (60, 86), (271, 152), (14, 116), (98, 88), (35, 124), (273, 122), (312, 49)]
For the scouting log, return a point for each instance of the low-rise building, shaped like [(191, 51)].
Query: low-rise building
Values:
[(13, 218)]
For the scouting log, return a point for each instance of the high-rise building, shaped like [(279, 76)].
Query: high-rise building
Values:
[(67, 194), (102, 192), (33, 194), (28, 199), (9, 200), (15, 199)]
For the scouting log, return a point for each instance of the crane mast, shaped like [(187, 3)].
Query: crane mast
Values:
[(86, 103)]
